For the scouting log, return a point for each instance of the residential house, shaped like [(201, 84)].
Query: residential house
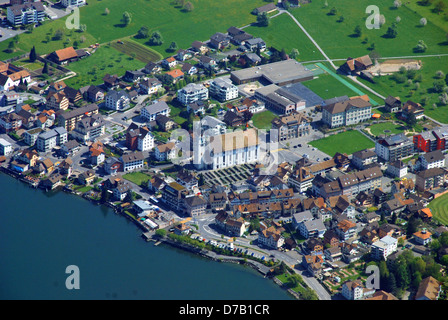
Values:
[(346, 229), (133, 75), (86, 178), (150, 86), (57, 101), (97, 154), (195, 206), (94, 94), (392, 104), (267, 8), (218, 201), (165, 123), (132, 161), (292, 126), (169, 62), (313, 264), (422, 237), (251, 58), (197, 107), (10, 77), (271, 238), (354, 290), (111, 81), (412, 108), (52, 182), (10, 122), (356, 65), (230, 225), (189, 69), (5, 147), (333, 254), (183, 55), (207, 62), (397, 169), (301, 179), (72, 3), (151, 68), (139, 138), (165, 151), (199, 47), (66, 167), (119, 187), (429, 289), (255, 44), (312, 228), (233, 119), (112, 166), (219, 41)]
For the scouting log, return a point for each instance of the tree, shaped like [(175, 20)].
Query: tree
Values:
[(263, 19), (397, 19), (11, 46), (439, 86), (333, 11), (33, 55), (392, 31), (58, 34), (391, 284), (443, 98), (358, 31), (440, 74), (143, 32), (82, 28), (188, 7), (127, 18), (397, 4), (341, 19), (294, 53), (156, 39), (106, 11), (45, 68), (172, 47), (439, 7), (423, 22), (421, 46)]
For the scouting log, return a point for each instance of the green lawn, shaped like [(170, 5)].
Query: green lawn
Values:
[(439, 209), (386, 85), (283, 33), (106, 59), (263, 119), (379, 128), (337, 40), (138, 178), (208, 17), (327, 87), (345, 142), (441, 20)]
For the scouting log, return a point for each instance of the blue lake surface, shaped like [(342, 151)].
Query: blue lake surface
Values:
[(43, 233)]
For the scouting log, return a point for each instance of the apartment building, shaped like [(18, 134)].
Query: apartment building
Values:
[(89, 128), (384, 247), (430, 179), (69, 119), (5, 147), (394, 147), (223, 90), (151, 111), (132, 161), (117, 100), (22, 14), (47, 140), (192, 92)]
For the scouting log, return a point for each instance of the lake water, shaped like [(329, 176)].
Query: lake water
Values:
[(43, 233)]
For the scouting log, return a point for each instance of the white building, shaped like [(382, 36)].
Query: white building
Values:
[(382, 248), (225, 150), (5, 147), (192, 92), (354, 290), (73, 3), (433, 159), (151, 111), (50, 139), (345, 113), (397, 169), (223, 90), (117, 100), (22, 14), (132, 161)]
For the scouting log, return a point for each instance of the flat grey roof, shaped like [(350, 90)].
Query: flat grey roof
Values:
[(276, 72)]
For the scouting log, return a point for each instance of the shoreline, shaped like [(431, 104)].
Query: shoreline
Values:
[(148, 235)]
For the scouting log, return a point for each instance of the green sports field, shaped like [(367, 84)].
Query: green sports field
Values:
[(345, 142), (439, 209)]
